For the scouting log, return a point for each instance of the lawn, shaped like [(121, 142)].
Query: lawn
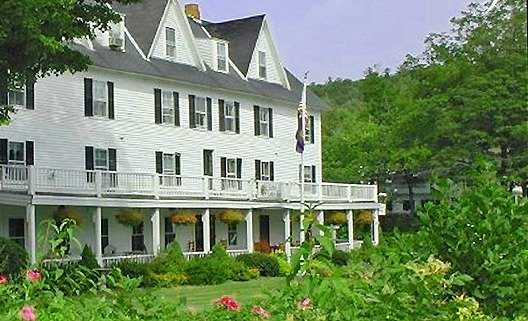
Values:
[(201, 297)]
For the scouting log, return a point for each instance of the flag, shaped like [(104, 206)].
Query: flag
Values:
[(302, 116)]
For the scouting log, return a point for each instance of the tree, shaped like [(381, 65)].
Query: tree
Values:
[(35, 38)]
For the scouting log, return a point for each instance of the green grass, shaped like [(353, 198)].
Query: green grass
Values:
[(202, 297)]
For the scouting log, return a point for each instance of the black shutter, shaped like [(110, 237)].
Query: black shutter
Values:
[(209, 114), (270, 122), (159, 162), (221, 113), (3, 151), (89, 158), (192, 112), (272, 171), (258, 171), (3, 96), (237, 117), (30, 94), (301, 179), (112, 160), (177, 169), (312, 129), (30, 153), (157, 106), (223, 167), (313, 175), (176, 98), (256, 120), (110, 86), (208, 162), (88, 97), (239, 167)]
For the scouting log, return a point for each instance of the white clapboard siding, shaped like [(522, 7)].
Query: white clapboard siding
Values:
[(206, 50), (265, 44), (61, 131)]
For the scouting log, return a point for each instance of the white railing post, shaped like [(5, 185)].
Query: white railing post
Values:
[(98, 179), (320, 191), (375, 196), (156, 181), (375, 228), (205, 187), (32, 180), (349, 193), (350, 222)]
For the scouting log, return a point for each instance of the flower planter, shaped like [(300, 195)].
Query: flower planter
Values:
[(130, 217), (336, 218), (231, 216), (185, 217), (68, 213)]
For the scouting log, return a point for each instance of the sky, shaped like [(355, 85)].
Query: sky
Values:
[(341, 38)]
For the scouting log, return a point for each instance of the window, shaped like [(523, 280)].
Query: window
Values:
[(170, 235), (221, 50), (168, 107), (406, 205), (265, 171), (264, 121), (138, 239), (232, 234), (17, 96), (208, 162), (231, 171), (16, 153), (169, 164), (101, 159), (105, 239), (230, 116), (170, 41), (308, 177), (200, 112), (17, 231), (100, 98), (263, 71)]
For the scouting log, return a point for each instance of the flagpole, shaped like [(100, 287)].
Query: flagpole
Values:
[(303, 131)]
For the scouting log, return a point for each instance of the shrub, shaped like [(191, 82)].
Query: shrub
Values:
[(13, 258), (170, 260), (340, 258), (267, 265), (263, 247), (284, 266), (88, 259), (207, 271), (133, 269)]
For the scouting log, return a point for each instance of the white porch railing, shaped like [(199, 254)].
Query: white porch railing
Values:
[(15, 178), (235, 253), (191, 255), (108, 261)]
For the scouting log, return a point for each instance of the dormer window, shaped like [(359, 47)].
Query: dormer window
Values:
[(221, 53), (117, 35), (263, 71), (170, 41), (17, 96)]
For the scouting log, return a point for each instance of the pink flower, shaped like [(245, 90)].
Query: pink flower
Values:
[(305, 304), (34, 275), (260, 312), (28, 313), (229, 303), (3, 279)]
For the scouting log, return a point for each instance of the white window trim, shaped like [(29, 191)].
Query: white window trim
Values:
[(234, 173), (105, 85), (217, 56), (264, 111), (265, 176), (265, 65), (100, 168), (171, 107), (173, 170), (16, 162), (199, 112), (167, 44), (232, 117), (22, 91)]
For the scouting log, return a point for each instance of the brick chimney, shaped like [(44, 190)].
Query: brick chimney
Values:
[(193, 10)]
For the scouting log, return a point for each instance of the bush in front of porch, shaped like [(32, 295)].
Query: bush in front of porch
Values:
[(13, 258)]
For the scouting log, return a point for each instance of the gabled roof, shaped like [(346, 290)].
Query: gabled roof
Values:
[(142, 20), (242, 35)]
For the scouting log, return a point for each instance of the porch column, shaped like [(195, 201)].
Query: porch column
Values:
[(156, 232), (375, 227), (287, 233), (249, 230), (302, 236), (31, 233), (206, 220), (97, 219), (350, 222), (320, 220)]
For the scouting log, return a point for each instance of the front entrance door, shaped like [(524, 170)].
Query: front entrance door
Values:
[(264, 223), (198, 234)]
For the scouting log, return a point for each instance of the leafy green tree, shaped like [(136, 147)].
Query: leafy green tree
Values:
[(35, 38)]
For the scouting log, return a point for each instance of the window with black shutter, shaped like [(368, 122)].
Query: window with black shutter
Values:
[(208, 162), (30, 94), (192, 111), (209, 114), (221, 115), (157, 106), (110, 88), (3, 151), (98, 98), (30, 153), (237, 117)]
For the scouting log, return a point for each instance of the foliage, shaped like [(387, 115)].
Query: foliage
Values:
[(184, 217), (88, 258), (266, 264), (58, 237), (70, 213), (229, 216), (284, 266), (262, 247), (13, 258), (336, 218), (130, 217), (36, 38), (207, 271), (340, 258)]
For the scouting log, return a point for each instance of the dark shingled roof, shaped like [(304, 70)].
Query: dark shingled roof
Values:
[(242, 35)]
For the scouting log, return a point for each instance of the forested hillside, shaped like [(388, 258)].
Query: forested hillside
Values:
[(463, 101)]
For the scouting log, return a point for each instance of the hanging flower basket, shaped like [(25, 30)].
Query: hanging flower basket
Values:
[(129, 217), (364, 218), (231, 216), (336, 218), (62, 213), (185, 217)]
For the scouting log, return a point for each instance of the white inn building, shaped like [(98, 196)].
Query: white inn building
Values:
[(174, 113)]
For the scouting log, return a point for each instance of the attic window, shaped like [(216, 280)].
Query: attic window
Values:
[(221, 50), (117, 35), (263, 71), (170, 40)]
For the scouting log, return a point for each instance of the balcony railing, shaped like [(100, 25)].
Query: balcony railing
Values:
[(37, 180)]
